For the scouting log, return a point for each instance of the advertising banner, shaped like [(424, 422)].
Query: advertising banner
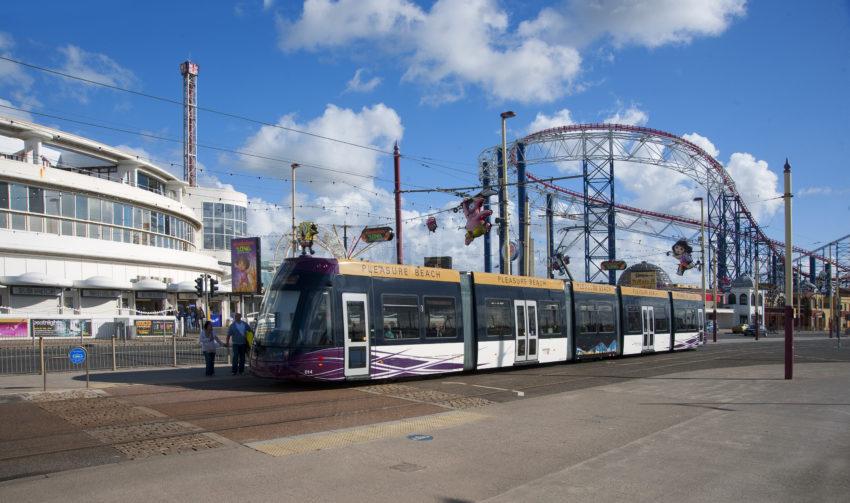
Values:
[(14, 327), (245, 265), (154, 327), (60, 327)]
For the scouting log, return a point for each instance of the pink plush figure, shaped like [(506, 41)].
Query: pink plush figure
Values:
[(476, 218)]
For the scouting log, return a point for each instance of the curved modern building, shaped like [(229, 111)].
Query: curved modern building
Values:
[(87, 228)]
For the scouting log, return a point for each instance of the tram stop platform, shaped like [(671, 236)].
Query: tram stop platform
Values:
[(716, 424)]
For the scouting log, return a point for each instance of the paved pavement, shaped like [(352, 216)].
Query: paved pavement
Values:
[(717, 424)]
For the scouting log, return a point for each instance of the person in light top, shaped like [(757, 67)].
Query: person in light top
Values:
[(209, 343)]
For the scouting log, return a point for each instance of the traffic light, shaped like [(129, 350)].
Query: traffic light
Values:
[(199, 286), (213, 286)]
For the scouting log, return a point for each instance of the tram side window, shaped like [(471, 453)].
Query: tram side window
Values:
[(662, 320), (499, 318), (318, 333), (634, 323), (585, 319), (400, 316), (686, 320), (356, 321), (441, 317), (605, 313), (550, 319)]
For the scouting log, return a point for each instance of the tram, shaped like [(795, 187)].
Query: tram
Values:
[(329, 320)]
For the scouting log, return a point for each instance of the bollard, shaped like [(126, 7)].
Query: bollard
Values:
[(174, 348), (114, 362), (43, 368), (87, 368)]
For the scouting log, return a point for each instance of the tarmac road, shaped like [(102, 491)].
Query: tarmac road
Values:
[(720, 421)]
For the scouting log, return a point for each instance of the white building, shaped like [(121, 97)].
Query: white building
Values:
[(742, 300), (88, 229)]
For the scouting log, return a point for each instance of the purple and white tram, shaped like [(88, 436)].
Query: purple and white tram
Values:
[(330, 320)]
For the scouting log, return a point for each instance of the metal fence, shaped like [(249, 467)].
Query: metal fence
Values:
[(25, 357)]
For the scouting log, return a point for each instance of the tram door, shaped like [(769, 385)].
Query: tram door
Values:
[(648, 317), (525, 316), (356, 329)]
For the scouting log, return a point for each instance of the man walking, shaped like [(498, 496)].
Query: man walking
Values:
[(238, 332)]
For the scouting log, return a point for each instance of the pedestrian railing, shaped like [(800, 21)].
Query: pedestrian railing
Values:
[(37, 355)]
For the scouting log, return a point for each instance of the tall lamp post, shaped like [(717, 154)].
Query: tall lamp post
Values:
[(702, 261), (789, 297), (294, 238), (503, 196)]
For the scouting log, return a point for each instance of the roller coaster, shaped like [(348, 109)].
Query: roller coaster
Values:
[(735, 239)]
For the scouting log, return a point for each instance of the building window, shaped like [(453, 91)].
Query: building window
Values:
[(742, 299), (223, 222)]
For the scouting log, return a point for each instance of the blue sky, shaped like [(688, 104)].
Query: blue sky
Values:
[(760, 81)]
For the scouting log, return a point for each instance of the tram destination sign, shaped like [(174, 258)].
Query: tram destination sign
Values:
[(377, 234)]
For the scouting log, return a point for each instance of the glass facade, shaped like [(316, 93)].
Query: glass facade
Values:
[(223, 222), (35, 209)]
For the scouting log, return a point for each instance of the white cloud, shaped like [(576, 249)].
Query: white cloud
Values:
[(632, 116), (377, 125), (92, 66), (12, 74), (756, 183), (268, 4), (822, 191), (649, 23), (542, 121), (457, 43), (358, 85), (703, 143), (454, 44)]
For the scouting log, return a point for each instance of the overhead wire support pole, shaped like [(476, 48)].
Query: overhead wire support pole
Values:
[(399, 243), (294, 238), (522, 207), (789, 306), (504, 235), (485, 181), (550, 235)]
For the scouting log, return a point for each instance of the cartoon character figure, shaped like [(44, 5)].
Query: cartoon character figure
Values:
[(682, 251), (431, 224), (244, 275), (476, 218), (307, 231)]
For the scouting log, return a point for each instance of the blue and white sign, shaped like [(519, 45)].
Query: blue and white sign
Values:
[(77, 355)]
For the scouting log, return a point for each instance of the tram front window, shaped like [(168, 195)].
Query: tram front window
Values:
[(295, 317)]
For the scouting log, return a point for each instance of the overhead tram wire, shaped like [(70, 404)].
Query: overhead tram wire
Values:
[(422, 159), (210, 147)]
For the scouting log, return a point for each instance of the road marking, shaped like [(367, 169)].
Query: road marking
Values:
[(301, 444)]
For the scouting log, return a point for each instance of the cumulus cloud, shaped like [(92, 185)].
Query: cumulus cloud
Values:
[(325, 161), (756, 183), (822, 191), (542, 121), (632, 116), (648, 23), (92, 66), (13, 111), (457, 43), (358, 85), (703, 143), (454, 44)]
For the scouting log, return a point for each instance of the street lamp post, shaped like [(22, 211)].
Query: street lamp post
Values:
[(789, 300), (702, 259), (503, 197), (294, 238)]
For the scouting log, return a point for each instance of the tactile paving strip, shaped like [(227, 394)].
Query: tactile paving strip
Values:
[(440, 398), (144, 431), (95, 412), (343, 438), (167, 446)]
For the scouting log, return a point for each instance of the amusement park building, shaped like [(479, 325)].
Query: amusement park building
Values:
[(87, 229)]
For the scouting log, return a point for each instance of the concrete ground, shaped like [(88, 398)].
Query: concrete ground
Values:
[(717, 424)]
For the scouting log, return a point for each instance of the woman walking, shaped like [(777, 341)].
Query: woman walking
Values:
[(209, 343)]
